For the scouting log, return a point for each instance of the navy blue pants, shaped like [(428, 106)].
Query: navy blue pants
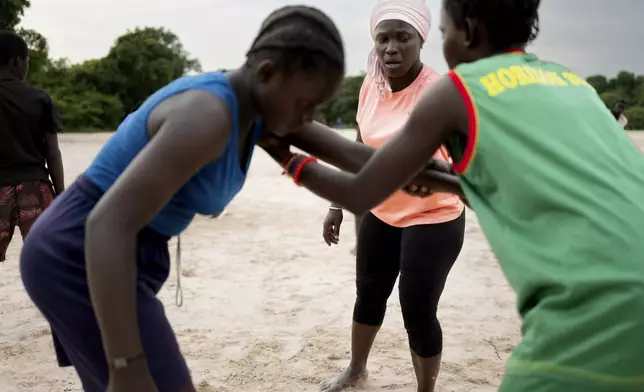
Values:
[(52, 265)]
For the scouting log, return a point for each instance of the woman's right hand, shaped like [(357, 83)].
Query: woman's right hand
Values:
[(136, 378), (331, 226)]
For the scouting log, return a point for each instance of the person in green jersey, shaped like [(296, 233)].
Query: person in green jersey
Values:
[(557, 186)]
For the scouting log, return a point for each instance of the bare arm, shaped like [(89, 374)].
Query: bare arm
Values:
[(439, 112), (325, 143), (53, 125), (55, 163), (188, 131)]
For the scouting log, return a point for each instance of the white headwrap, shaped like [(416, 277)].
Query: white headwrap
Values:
[(413, 12)]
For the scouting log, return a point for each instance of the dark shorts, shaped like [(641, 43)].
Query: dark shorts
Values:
[(20, 205), (52, 266)]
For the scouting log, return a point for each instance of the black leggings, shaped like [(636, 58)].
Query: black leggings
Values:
[(423, 255)]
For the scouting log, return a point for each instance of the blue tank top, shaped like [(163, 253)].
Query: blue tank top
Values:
[(210, 190)]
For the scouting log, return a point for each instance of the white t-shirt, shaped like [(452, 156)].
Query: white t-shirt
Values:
[(623, 121)]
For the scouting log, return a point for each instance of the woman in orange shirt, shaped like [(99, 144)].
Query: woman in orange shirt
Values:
[(418, 239)]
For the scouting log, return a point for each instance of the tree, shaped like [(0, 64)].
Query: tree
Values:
[(635, 116), (625, 81), (96, 94), (610, 98), (38, 53), (626, 86), (599, 83), (144, 60), (11, 11), (638, 94), (345, 105), (88, 110)]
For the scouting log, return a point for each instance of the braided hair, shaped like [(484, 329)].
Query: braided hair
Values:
[(509, 23), (11, 46), (299, 38)]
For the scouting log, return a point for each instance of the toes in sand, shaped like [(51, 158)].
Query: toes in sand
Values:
[(349, 378)]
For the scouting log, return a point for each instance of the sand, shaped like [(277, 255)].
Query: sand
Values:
[(268, 305)]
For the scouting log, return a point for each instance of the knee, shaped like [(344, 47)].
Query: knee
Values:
[(422, 325), (371, 301)]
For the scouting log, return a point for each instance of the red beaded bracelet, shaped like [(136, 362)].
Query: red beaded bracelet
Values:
[(288, 162), (298, 171)]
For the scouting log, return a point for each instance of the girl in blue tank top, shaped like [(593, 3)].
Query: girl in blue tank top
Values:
[(94, 261)]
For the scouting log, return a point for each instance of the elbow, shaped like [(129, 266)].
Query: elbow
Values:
[(103, 234), (94, 223), (96, 230), (353, 198), (101, 225), (358, 205), (54, 157)]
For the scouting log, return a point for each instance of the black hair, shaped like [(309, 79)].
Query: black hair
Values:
[(11, 46), (509, 23), (299, 38), (621, 102)]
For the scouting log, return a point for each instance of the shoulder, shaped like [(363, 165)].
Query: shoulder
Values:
[(35, 94), (367, 90), (193, 108), (24, 89), (367, 98), (428, 76), (215, 84), (42, 95)]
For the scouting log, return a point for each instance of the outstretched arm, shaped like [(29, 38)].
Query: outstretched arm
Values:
[(439, 112), (325, 144)]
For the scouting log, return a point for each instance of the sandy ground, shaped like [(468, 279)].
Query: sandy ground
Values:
[(268, 304)]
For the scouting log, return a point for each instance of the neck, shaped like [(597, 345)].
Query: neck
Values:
[(513, 49), (399, 84), (6, 73), (241, 80)]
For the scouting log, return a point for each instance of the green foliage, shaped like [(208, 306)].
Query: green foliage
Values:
[(11, 11), (635, 116), (599, 82), (344, 105), (89, 110), (38, 50), (143, 61), (626, 86), (610, 98), (98, 93)]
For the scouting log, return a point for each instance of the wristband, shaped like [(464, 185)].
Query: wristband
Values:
[(298, 171), (124, 362)]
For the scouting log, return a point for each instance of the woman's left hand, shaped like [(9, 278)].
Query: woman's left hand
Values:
[(417, 190), (417, 186)]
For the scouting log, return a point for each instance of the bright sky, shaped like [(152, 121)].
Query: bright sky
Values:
[(589, 36)]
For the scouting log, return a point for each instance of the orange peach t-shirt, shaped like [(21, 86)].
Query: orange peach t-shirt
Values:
[(379, 118)]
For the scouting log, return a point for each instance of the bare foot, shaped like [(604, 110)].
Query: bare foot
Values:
[(349, 378)]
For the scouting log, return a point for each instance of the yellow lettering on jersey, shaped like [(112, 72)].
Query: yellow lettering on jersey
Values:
[(572, 78), (575, 80), (507, 78), (536, 73), (522, 77), (553, 79), (493, 85)]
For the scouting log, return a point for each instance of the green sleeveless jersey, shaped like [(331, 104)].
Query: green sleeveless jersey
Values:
[(558, 188)]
